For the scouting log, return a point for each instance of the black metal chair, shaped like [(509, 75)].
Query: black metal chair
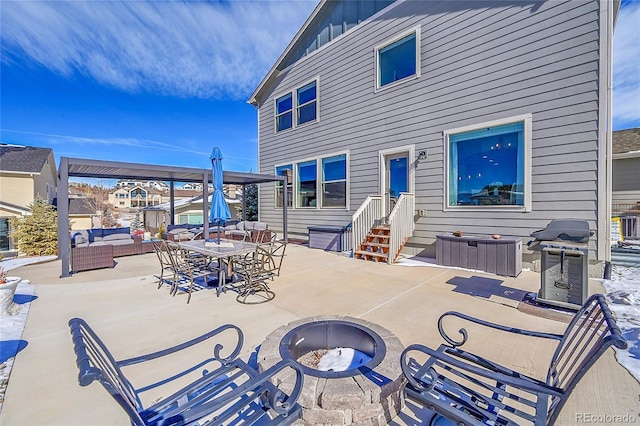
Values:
[(229, 391), (472, 390)]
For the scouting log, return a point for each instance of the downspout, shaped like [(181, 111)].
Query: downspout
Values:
[(604, 133)]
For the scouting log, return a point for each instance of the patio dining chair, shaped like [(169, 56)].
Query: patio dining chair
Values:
[(166, 264), (215, 390), (191, 273), (469, 389), (253, 271)]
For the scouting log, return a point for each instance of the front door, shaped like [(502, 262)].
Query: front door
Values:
[(396, 179)]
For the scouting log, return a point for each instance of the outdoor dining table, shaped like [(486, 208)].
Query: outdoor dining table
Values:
[(221, 249)]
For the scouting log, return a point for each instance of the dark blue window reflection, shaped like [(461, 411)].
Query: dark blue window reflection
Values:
[(397, 60), (284, 112), (486, 166), (306, 99)]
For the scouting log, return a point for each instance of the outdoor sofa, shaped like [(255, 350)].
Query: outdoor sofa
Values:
[(257, 232), (95, 248)]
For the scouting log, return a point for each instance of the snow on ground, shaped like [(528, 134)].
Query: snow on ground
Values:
[(623, 293)]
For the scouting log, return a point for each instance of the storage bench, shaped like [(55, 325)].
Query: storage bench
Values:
[(328, 238), (497, 256)]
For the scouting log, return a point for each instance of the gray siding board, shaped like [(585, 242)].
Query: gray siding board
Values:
[(492, 61)]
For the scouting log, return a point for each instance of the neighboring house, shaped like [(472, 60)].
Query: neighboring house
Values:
[(131, 197), (25, 173), (185, 211), (82, 213), (626, 170), (492, 117)]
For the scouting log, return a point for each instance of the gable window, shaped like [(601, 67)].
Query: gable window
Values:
[(286, 170), (306, 103), (284, 112), (306, 184), (398, 59), (303, 100), (334, 181), (489, 165)]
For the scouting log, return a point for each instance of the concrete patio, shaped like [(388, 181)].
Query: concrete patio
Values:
[(133, 317)]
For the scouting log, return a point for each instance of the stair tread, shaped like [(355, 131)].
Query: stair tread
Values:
[(371, 253)]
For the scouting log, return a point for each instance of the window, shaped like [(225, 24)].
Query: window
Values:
[(306, 107), (287, 171), (489, 164), (398, 59), (334, 181), (5, 242), (191, 218), (307, 182), (319, 182), (306, 102), (284, 113)]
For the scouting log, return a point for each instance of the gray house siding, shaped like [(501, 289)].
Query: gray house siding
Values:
[(480, 61)]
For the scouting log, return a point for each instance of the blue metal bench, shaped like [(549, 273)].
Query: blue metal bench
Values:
[(231, 393), (472, 390)]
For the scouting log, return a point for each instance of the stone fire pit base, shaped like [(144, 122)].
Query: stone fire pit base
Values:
[(371, 399)]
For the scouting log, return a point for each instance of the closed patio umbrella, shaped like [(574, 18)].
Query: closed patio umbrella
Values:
[(219, 213)]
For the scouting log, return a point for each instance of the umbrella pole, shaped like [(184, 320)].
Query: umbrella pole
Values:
[(218, 232)]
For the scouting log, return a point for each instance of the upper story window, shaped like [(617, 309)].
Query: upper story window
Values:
[(398, 59), (306, 107), (306, 103), (284, 112), (336, 18), (489, 165)]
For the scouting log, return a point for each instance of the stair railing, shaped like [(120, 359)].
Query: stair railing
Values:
[(369, 212), (401, 223)]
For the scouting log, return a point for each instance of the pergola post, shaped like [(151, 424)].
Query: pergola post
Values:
[(172, 209), (64, 242)]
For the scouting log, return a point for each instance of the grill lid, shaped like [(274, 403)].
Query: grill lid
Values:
[(576, 230)]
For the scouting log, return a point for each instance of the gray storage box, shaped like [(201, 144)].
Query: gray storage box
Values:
[(565, 275), (502, 256), (327, 237)]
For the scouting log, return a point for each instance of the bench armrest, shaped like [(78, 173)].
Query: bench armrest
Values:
[(495, 326), (216, 350)]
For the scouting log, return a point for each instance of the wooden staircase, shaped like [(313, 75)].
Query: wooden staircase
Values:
[(375, 245)]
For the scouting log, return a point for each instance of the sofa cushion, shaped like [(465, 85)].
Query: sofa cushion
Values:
[(119, 242), (117, 237), (182, 226), (112, 231), (260, 226), (240, 226)]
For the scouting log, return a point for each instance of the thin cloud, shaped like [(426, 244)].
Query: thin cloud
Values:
[(76, 146), (626, 71), (188, 49)]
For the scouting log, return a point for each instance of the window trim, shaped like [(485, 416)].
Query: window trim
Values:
[(294, 182), (295, 107), (376, 58), (527, 205), (323, 182)]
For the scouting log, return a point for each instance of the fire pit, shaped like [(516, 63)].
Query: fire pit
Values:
[(352, 369)]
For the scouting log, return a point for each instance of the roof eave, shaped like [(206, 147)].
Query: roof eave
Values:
[(274, 69)]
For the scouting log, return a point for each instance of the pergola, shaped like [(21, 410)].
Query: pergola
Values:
[(81, 167)]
